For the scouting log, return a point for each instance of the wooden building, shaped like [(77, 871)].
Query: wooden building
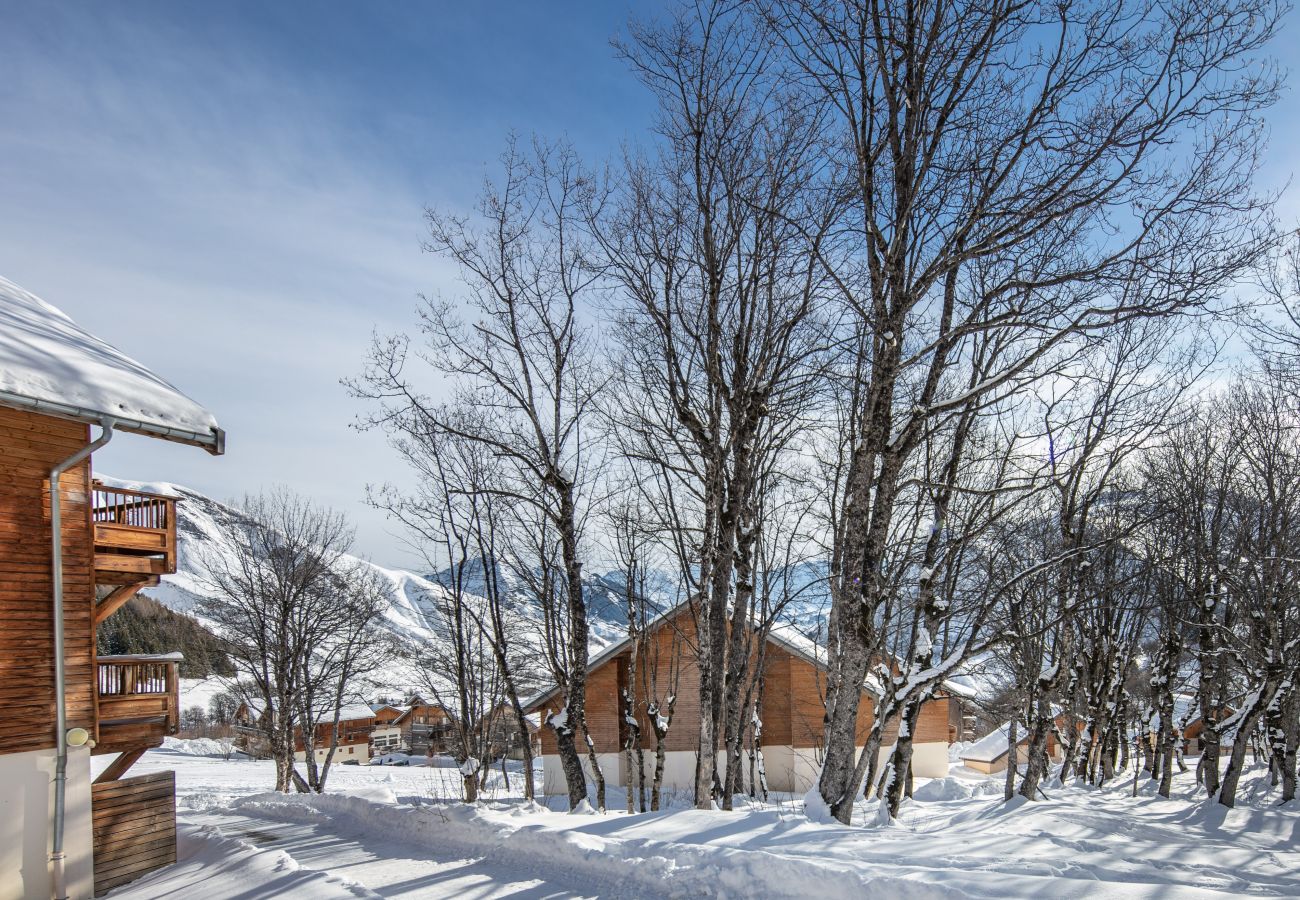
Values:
[(791, 711), (426, 728), (990, 753), (386, 736), (356, 725), (72, 551)]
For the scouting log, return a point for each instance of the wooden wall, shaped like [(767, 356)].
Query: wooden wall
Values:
[(134, 821), (30, 445), (792, 710)]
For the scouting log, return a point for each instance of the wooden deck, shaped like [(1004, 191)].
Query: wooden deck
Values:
[(138, 702)]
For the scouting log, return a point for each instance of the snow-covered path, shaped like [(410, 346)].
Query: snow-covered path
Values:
[(390, 833), (386, 868)]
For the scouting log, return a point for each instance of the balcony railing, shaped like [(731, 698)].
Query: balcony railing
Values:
[(138, 700), (135, 534)]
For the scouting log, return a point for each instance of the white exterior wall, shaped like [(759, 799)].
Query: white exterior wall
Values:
[(788, 769), (930, 760), (386, 738), (26, 829), (360, 752)]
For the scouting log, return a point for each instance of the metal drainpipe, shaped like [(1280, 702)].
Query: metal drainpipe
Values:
[(57, 856)]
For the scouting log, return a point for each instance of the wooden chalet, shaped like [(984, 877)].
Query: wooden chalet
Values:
[(990, 753), (426, 728), (791, 710), (72, 551), (356, 724), (386, 736), (1194, 729)]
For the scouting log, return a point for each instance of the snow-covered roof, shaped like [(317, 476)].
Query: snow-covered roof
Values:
[(347, 713), (990, 747), (50, 364), (356, 711)]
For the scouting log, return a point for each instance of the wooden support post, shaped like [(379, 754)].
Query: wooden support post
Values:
[(114, 601), (118, 767)]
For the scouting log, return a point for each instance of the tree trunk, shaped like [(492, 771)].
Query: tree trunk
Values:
[(596, 774), (1237, 761), (575, 778), (901, 758), (1036, 751), (1012, 762)]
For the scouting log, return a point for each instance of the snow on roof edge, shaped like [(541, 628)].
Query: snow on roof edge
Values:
[(51, 365)]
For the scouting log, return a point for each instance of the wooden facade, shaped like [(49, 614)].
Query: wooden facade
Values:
[(792, 706), (114, 543), (134, 826), (353, 742), (30, 446), (426, 728)]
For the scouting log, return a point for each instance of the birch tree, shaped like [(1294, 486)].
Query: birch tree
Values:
[(1090, 174)]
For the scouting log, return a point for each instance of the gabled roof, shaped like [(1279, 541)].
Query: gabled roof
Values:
[(417, 700), (784, 636), (992, 746), (51, 365)]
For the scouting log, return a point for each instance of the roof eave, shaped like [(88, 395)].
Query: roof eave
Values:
[(213, 441)]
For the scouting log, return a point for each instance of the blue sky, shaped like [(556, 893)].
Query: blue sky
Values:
[(232, 193)]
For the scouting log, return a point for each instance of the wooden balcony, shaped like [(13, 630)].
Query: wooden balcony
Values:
[(138, 703), (135, 535)]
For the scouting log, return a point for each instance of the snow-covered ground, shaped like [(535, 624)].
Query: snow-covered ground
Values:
[(394, 832)]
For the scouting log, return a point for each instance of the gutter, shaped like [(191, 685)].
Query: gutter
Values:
[(57, 856), (214, 440)]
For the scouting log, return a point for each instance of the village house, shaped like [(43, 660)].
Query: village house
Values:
[(989, 753), (791, 711), (425, 727), (356, 724), (504, 737), (1195, 728), (72, 552), (386, 735)]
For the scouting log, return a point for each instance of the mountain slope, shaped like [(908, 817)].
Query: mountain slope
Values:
[(203, 531)]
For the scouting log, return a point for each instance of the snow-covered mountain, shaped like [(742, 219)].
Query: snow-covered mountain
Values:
[(203, 531)]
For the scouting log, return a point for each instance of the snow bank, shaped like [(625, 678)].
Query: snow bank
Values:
[(956, 838), (210, 866), (623, 865), (196, 746)]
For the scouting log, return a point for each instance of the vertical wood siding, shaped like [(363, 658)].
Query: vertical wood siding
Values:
[(792, 710)]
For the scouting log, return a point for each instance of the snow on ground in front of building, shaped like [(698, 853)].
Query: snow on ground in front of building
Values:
[(393, 831)]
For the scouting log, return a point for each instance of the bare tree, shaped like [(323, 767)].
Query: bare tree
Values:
[(345, 643), (717, 311), (297, 616), (1088, 179), (524, 364), (454, 514)]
